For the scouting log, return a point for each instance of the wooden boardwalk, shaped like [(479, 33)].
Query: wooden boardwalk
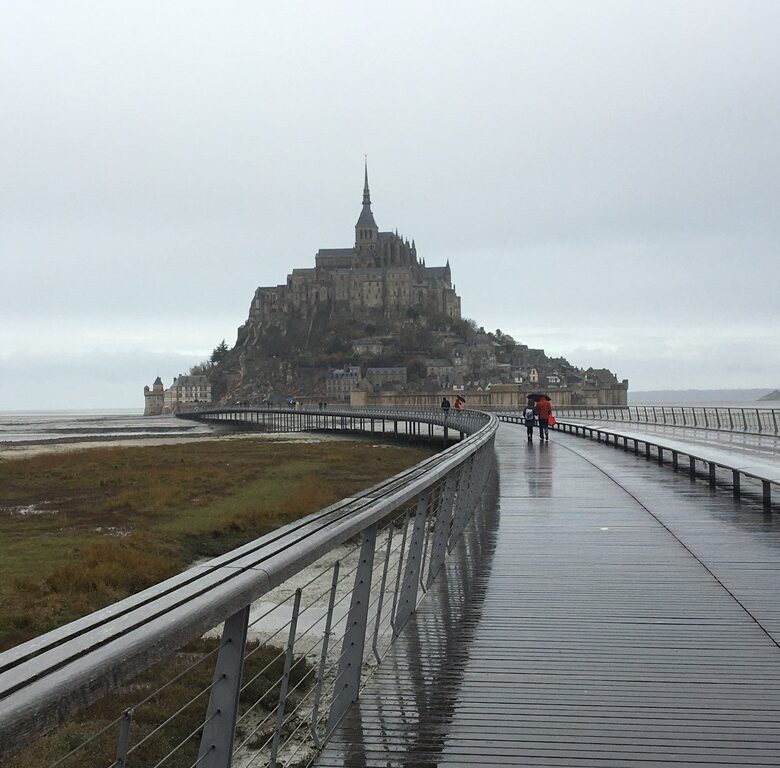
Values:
[(608, 613)]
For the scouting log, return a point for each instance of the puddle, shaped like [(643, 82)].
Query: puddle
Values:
[(28, 510)]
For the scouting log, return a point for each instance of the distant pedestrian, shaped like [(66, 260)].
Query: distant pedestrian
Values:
[(459, 402), (529, 417), (445, 405), (543, 413)]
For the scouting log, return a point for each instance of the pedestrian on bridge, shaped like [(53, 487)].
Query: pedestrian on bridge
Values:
[(543, 413), (445, 405), (529, 417)]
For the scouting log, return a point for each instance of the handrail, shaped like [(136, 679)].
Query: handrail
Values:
[(462, 420), (753, 419), (46, 679)]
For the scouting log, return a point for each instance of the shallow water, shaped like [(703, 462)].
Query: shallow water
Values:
[(51, 426)]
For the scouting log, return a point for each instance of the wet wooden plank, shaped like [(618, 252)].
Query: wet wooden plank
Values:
[(618, 616)]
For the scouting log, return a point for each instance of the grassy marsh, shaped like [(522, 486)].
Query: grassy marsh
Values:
[(83, 529)]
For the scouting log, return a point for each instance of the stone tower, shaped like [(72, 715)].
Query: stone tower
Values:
[(366, 230), (154, 398)]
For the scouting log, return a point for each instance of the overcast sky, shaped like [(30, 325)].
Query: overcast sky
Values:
[(604, 177)]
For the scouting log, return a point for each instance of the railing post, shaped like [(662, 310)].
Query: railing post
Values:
[(381, 598), (315, 712), (123, 739), (408, 598), (288, 659), (466, 480), (351, 660), (216, 743), (441, 531)]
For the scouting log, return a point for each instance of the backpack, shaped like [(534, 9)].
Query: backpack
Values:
[(528, 414)]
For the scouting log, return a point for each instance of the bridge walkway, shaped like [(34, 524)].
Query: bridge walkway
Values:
[(608, 612)]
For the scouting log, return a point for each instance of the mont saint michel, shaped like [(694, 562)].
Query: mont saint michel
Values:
[(373, 324)]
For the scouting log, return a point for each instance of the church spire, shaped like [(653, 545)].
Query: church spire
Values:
[(366, 230), (366, 193)]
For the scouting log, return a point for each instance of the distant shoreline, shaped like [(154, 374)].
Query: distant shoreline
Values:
[(30, 448), (733, 397)]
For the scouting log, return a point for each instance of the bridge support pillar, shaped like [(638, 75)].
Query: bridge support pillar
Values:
[(712, 474), (735, 482), (351, 659), (216, 743), (767, 493), (692, 467)]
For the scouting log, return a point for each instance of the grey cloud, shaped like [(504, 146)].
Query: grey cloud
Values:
[(160, 161)]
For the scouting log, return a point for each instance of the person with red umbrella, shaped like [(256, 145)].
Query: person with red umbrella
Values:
[(543, 414)]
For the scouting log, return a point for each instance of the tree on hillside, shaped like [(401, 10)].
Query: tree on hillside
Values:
[(416, 370), (219, 353)]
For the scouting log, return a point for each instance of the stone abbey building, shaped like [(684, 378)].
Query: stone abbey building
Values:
[(372, 324), (185, 392), (379, 277)]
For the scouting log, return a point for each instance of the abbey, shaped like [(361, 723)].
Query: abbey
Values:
[(379, 277)]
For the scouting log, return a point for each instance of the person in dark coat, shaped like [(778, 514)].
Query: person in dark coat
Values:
[(529, 417)]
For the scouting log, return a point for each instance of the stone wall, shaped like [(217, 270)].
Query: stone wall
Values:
[(499, 396)]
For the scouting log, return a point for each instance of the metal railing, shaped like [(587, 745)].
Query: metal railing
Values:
[(656, 447), (734, 419), (271, 685)]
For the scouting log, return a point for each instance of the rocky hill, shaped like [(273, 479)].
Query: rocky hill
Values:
[(295, 359), (376, 315)]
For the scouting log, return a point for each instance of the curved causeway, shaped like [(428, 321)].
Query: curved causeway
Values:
[(607, 612)]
